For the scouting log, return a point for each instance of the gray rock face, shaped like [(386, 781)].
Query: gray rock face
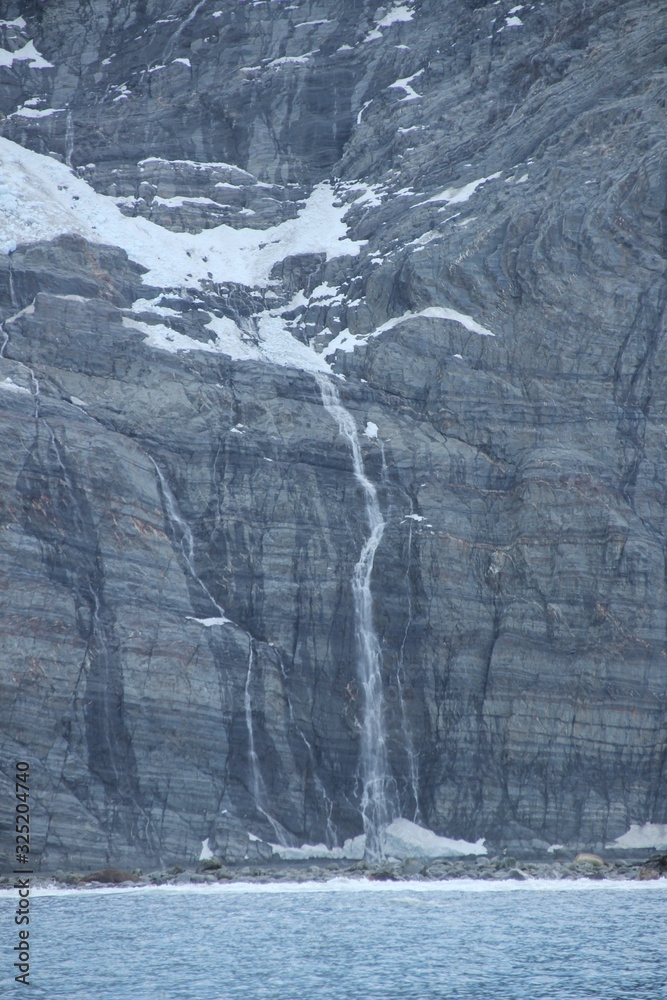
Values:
[(179, 518)]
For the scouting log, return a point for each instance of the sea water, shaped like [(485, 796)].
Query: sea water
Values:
[(348, 940)]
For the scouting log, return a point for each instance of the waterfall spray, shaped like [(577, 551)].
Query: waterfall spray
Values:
[(182, 536), (69, 140), (378, 800)]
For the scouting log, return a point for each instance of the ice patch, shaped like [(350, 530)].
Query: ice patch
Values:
[(402, 839), (371, 430), (206, 851), (650, 835), (414, 517)]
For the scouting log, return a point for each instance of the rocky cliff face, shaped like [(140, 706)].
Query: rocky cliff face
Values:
[(457, 213)]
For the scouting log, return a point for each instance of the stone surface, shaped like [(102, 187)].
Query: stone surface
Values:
[(519, 587)]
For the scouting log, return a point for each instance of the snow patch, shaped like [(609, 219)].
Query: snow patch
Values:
[(210, 622), (455, 196), (346, 341), (362, 109), (650, 835), (41, 199), (28, 112), (371, 430), (402, 839), (27, 54), (513, 22), (206, 851), (402, 13), (404, 84), (286, 60), (179, 200), (10, 386)]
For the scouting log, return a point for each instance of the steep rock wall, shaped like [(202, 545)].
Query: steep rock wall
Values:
[(498, 317)]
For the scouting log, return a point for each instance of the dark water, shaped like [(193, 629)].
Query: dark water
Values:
[(454, 941)]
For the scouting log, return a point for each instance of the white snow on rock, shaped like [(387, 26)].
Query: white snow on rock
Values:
[(42, 199), (371, 430), (28, 53), (28, 112), (455, 196), (346, 341), (206, 851), (402, 839), (401, 13), (287, 60), (269, 340), (650, 835), (10, 386), (179, 200), (513, 22), (404, 84), (210, 622)]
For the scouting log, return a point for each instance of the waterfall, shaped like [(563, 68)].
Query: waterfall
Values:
[(179, 31), (258, 786), (69, 140), (400, 675), (378, 800), (182, 536)]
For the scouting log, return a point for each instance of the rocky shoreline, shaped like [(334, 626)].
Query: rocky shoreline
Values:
[(210, 872)]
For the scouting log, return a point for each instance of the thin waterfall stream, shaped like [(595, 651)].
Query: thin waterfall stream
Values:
[(379, 805)]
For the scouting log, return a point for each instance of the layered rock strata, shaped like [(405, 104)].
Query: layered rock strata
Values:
[(457, 213)]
